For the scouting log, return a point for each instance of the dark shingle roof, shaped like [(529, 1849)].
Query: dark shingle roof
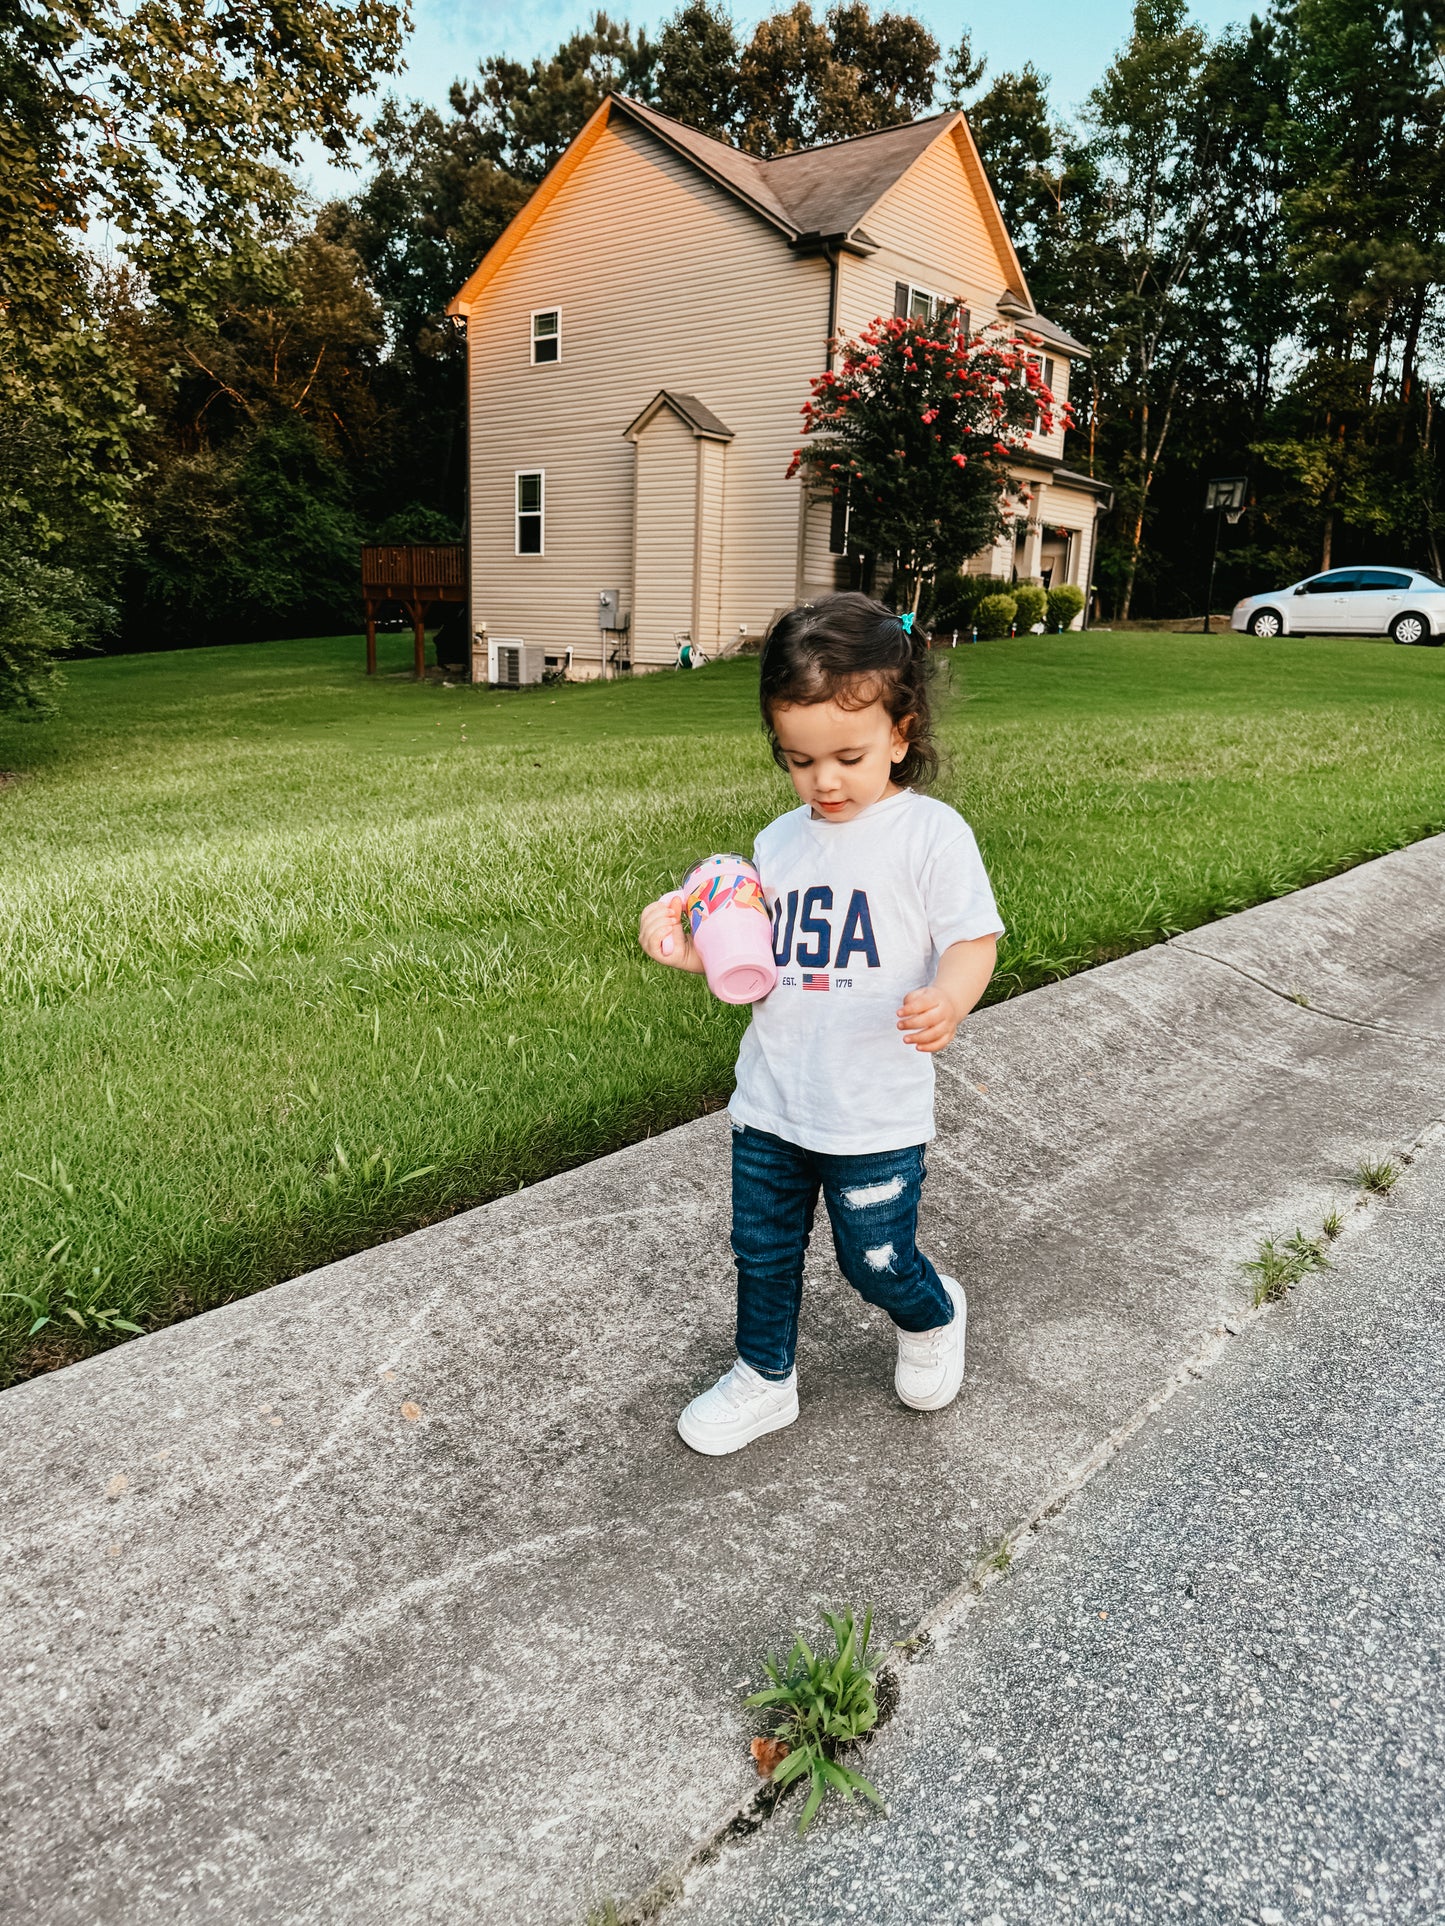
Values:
[(829, 189), (1048, 331), (696, 414), (819, 190)]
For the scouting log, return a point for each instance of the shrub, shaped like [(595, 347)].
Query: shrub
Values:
[(46, 611), (994, 615), (1031, 605), (1065, 602), (956, 595)]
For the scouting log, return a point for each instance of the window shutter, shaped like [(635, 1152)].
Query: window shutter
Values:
[(964, 319), (900, 300)]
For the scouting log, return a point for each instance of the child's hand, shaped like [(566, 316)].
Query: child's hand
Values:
[(929, 1019), (665, 937)]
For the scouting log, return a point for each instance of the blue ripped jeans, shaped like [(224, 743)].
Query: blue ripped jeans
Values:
[(872, 1207)]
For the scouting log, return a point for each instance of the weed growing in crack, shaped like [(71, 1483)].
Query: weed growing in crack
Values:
[(1378, 1176), (1279, 1267), (1333, 1225), (1001, 1561), (828, 1701), (604, 1915)]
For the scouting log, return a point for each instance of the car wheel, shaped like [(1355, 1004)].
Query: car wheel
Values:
[(1266, 623), (1410, 629)]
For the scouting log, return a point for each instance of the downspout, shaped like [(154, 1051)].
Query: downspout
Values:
[(467, 482), (830, 254)]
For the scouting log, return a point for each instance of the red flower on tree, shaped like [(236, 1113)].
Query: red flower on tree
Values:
[(918, 423)]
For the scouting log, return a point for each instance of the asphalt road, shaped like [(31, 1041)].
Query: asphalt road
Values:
[(1214, 1690)]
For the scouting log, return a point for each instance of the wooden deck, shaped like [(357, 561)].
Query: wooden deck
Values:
[(413, 576)]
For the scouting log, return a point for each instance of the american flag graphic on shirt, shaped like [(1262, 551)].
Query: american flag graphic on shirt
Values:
[(814, 981)]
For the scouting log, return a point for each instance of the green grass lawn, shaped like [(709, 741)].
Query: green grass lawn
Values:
[(293, 961)]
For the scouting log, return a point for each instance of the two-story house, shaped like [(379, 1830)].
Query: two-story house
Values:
[(640, 343)]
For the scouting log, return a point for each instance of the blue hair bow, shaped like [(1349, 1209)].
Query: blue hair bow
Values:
[(907, 621)]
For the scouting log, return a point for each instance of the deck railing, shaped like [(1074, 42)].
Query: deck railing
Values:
[(410, 567), (417, 575)]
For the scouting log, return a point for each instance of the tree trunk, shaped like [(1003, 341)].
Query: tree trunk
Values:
[(1146, 482)]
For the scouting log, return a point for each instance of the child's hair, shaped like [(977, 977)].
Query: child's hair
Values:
[(851, 650)]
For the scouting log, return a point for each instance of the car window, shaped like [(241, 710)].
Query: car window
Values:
[(1382, 578), (1335, 583)]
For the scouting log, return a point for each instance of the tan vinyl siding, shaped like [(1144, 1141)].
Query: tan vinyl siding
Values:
[(1060, 506), (820, 571), (663, 281), (932, 234), (665, 539), (712, 459)]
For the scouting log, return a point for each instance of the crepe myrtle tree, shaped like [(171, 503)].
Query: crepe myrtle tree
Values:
[(916, 427)]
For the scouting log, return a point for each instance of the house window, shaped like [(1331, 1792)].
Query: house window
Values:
[(529, 512), (917, 304), (546, 335)]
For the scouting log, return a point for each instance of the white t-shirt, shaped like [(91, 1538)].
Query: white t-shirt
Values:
[(862, 911)]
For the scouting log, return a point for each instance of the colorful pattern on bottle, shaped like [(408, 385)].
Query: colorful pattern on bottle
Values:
[(711, 893)]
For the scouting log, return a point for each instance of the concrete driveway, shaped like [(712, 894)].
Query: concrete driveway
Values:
[(392, 1590)]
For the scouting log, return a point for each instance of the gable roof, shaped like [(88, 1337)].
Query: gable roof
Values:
[(822, 191), (829, 189), (689, 410), (1014, 308), (815, 197)]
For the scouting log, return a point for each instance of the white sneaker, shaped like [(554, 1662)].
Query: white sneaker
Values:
[(741, 1406), (930, 1363)]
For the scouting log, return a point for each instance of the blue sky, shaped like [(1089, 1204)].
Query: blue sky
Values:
[(1072, 41)]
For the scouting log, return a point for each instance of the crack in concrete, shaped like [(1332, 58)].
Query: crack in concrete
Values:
[(1378, 1024), (948, 1618)]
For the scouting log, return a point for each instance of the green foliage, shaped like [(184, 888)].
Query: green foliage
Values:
[(1378, 1176), (1064, 604), (1279, 1267), (915, 425), (46, 611), (1031, 605), (416, 522), (258, 534), (528, 114), (802, 81), (828, 1701), (994, 615), (696, 75), (1020, 145), (173, 124)]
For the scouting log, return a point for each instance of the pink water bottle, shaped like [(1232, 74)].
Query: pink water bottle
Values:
[(731, 929)]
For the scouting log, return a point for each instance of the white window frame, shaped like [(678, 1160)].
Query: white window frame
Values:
[(936, 302), (540, 511), (537, 314)]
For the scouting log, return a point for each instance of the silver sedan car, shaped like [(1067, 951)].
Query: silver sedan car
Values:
[(1400, 602)]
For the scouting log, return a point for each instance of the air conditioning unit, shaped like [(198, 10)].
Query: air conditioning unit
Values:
[(513, 663)]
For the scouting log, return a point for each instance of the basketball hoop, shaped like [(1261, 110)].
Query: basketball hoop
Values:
[(1223, 498), (1226, 492)]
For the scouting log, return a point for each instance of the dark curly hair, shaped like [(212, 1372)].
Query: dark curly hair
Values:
[(852, 650)]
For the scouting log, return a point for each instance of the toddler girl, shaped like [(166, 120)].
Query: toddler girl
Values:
[(884, 932)]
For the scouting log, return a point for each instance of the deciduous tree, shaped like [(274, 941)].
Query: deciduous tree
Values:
[(914, 429)]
